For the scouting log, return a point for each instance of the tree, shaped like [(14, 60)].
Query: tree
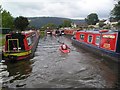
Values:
[(66, 23), (116, 11), (21, 23), (0, 16), (1, 9), (6, 19), (92, 19), (60, 26), (101, 24), (50, 26)]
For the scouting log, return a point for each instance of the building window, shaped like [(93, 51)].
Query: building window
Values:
[(90, 38), (97, 40), (82, 36)]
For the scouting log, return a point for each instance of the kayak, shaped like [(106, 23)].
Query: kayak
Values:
[(64, 51)]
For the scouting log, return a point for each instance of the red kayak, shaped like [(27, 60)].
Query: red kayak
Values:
[(64, 51)]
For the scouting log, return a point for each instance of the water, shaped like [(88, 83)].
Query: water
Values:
[(50, 68)]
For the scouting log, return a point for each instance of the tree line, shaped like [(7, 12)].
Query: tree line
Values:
[(21, 23), (8, 21)]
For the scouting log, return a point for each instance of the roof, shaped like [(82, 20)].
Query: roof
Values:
[(98, 31)]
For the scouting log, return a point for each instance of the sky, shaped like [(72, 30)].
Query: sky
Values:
[(75, 9)]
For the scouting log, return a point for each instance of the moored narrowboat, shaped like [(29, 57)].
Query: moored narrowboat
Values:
[(69, 31), (20, 45), (103, 42), (49, 32)]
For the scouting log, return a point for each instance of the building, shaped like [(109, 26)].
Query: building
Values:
[(79, 24)]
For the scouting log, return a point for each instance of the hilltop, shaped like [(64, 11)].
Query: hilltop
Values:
[(41, 21)]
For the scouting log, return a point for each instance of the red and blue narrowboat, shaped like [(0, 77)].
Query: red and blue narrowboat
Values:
[(103, 42), (20, 45)]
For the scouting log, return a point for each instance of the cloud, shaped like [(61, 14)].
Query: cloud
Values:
[(59, 8)]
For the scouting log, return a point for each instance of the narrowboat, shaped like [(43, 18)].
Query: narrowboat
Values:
[(105, 43), (20, 45), (69, 31), (62, 32), (57, 33), (49, 32)]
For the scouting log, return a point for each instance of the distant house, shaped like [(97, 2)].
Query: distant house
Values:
[(112, 24), (106, 24), (79, 24)]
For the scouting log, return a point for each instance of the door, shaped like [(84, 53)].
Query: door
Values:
[(13, 45)]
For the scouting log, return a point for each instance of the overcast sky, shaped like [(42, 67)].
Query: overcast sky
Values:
[(59, 8)]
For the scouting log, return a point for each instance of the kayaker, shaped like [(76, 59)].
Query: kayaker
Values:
[(64, 47)]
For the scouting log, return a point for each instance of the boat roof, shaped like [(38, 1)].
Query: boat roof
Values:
[(96, 31), (27, 32), (22, 32)]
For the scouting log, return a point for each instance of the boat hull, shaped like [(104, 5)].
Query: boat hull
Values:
[(17, 55), (98, 51)]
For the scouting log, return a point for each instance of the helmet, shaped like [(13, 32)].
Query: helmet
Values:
[(64, 46)]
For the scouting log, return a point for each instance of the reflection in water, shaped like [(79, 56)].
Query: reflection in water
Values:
[(50, 68), (16, 71)]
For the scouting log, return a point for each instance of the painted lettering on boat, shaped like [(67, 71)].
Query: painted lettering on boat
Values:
[(109, 36)]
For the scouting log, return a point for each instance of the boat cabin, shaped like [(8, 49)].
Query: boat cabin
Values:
[(108, 40)]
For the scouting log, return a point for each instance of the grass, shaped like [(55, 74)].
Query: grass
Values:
[(42, 33), (0, 35), (2, 40)]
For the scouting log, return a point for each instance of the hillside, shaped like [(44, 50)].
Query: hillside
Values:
[(41, 21)]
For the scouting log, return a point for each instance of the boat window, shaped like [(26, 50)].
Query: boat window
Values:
[(29, 41), (33, 37), (82, 36), (90, 38), (97, 40)]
